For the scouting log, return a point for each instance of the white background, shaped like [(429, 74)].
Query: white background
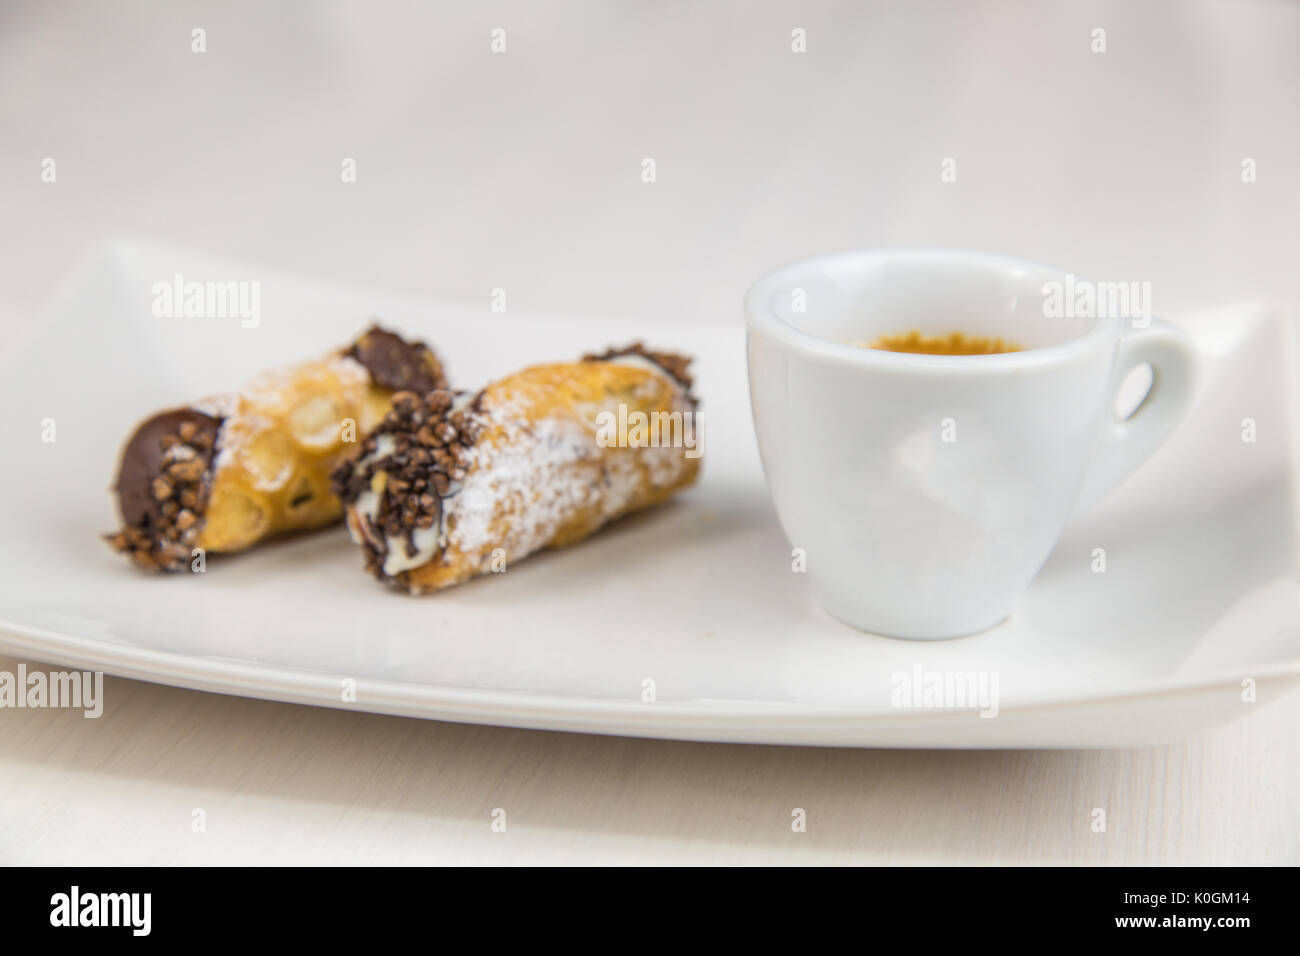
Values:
[(522, 171)]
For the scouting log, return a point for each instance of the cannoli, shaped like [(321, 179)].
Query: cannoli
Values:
[(453, 485), (229, 470)]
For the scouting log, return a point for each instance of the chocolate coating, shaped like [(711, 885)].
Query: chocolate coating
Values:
[(165, 477), (677, 366), (395, 363), (142, 462)]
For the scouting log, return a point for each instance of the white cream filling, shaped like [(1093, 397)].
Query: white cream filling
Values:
[(367, 503), (427, 541), (426, 546), (635, 360)]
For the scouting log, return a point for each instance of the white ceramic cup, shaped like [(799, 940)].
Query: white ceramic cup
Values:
[(926, 491)]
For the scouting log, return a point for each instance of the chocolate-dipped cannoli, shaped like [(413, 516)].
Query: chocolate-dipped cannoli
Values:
[(229, 470), (452, 485)]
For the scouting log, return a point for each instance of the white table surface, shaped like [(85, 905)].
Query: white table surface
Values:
[(522, 171)]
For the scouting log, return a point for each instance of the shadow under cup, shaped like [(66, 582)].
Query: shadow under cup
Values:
[(923, 492)]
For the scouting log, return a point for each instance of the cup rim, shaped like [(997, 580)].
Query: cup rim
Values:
[(760, 316)]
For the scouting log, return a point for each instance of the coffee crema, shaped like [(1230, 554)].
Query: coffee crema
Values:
[(954, 343)]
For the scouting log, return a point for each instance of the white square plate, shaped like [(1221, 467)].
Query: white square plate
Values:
[(1199, 595)]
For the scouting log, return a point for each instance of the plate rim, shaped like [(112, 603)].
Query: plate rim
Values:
[(320, 687), (515, 707)]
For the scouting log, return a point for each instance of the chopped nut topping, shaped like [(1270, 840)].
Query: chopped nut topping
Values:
[(430, 455), (163, 538), (188, 471), (675, 365)]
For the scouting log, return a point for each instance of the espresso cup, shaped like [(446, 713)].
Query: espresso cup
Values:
[(922, 493)]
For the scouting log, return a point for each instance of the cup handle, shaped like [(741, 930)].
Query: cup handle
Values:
[(1126, 444)]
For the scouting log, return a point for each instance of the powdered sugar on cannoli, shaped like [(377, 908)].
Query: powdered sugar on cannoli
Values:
[(447, 489), (528, 474), (228, 470)]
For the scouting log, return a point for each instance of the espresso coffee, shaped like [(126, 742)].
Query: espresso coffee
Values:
[(954, 343)]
